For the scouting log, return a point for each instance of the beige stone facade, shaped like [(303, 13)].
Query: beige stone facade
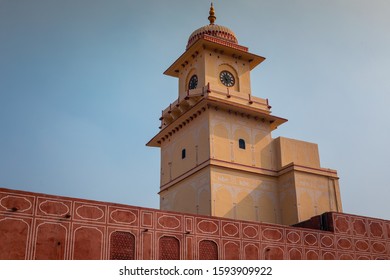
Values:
[(218, 156)]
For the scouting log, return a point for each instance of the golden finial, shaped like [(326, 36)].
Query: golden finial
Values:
[(212, 16)]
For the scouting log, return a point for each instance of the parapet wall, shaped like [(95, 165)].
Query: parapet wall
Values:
[(39, 226)]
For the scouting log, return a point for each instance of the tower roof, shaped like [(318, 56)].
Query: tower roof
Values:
[(213, 37), (214, 30)]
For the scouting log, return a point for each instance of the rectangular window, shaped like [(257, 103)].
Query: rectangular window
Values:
[(183, 153), (241, 144)]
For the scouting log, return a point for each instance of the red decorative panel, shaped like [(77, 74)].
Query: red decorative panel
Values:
[(376, 229), (327, 240), (294, 237), (310, 239), (53, 207), (189, 250), (50, 241), (251, 251), (250, 231), (208, 250), (378, 247), (328, 255), (89, 212), (346, 256), (388, 230), (87, 243), (122, 246), (189, 222), (381, 258), (123, 216), (362, 257), (295, 253), (169, 248), (231, 250), (362, 245), (16, 203), (312, 254), (14, 236), (359, 227), (271, 252), (207, 226), (230, 229), (344, 243), (341, 224), (146, 219), (147, 246), (169, 221), (272, 234)]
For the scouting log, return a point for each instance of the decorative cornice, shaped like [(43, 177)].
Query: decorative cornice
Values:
[(178, 126), (251, 169), (223, 42)]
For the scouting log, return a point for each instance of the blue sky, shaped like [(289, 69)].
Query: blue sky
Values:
[(81, 89)]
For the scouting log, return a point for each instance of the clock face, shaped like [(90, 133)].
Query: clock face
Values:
[(226, 78), (193, 83)]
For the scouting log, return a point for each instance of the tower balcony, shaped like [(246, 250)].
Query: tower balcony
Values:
[(224, 95), (194, 102)]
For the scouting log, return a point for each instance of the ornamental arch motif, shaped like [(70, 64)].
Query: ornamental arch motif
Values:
[(169, 248), (122, 246), (208, 250)]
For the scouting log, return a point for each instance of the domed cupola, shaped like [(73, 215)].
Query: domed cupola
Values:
[(212, 38), (213, 30)]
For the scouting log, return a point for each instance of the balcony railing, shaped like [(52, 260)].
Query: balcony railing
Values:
[(191, 97)]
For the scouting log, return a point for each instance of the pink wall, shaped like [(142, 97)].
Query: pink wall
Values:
[(38, 226)]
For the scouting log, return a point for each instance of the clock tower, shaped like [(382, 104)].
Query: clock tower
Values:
[(218, 157)]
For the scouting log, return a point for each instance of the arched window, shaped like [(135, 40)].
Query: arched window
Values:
[(122, 246), (241, 144), (169, 248), (183, 153), (208, 250)]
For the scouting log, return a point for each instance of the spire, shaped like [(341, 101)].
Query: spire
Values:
[(212, 17)]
